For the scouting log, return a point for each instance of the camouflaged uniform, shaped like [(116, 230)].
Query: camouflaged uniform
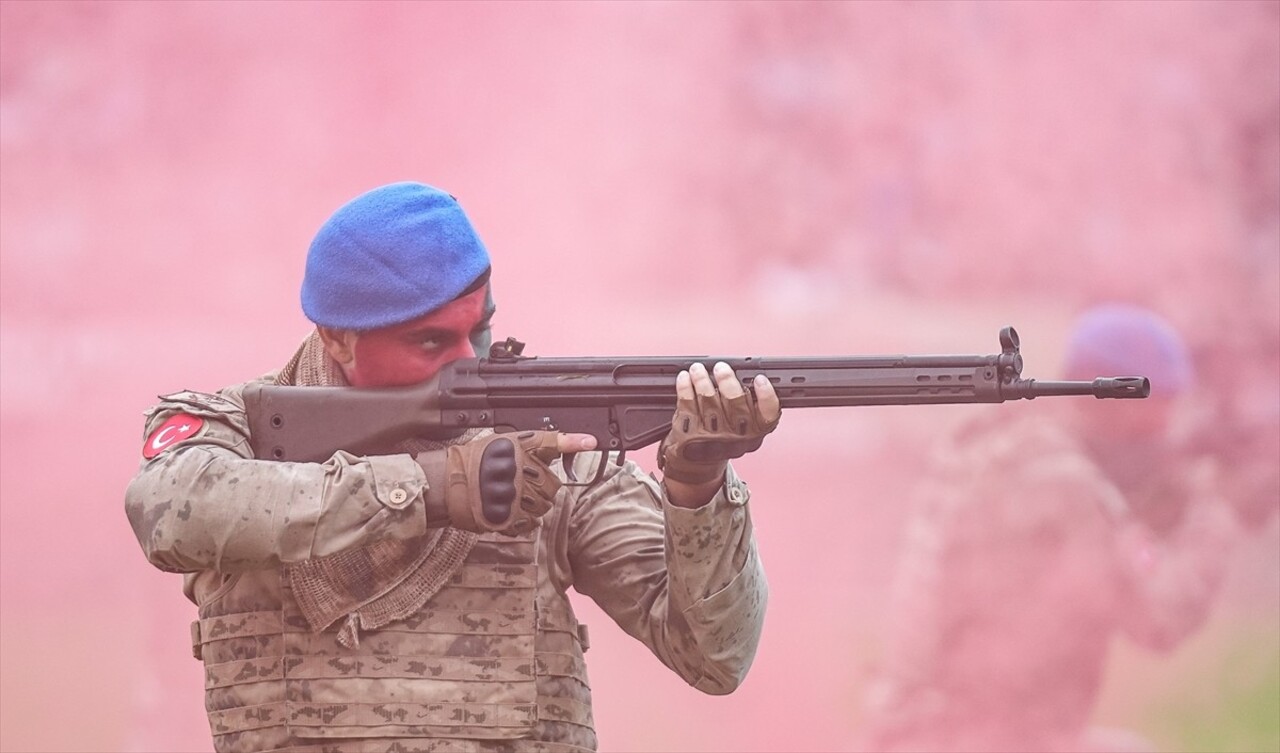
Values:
[(1020, 564), (493, 660)]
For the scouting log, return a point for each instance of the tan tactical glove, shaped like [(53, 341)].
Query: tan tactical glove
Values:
[(499, 483), (708, 431)]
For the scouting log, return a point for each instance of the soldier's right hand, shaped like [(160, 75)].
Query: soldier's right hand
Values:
[(502, 483)]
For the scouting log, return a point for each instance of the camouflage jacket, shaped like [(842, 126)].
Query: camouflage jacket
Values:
[(1021, 561), (494, 660)]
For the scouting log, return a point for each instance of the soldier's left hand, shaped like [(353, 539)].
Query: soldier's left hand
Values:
[(715, 420)]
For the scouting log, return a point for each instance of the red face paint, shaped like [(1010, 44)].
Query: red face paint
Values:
[(416, 350)]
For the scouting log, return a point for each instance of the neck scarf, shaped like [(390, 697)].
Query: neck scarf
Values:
[(387, 579)]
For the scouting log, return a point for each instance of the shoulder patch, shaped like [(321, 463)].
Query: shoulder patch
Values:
[(215, 403), (179, 428)]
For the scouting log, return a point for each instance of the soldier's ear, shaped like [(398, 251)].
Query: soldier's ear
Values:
[(340, 344)]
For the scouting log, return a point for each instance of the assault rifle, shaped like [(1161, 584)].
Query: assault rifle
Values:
[(625, 403)]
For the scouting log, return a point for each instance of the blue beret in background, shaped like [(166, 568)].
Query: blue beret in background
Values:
[(1125, 340), (390, 255)]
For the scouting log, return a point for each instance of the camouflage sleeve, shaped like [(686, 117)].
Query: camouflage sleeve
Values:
[(1000, 549), (1171, 581), (688, 583), (201, 502)]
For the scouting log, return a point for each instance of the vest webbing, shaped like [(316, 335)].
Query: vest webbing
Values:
[(495, 655)]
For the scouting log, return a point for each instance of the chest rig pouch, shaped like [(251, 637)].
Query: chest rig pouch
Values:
[(463, 666)]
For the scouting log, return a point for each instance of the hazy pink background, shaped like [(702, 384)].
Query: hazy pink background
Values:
[(650, 178)]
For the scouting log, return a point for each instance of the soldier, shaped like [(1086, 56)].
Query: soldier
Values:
[(394, 603), (1033, 542)]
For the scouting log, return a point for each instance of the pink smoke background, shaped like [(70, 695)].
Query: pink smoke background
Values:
[(729, 178)]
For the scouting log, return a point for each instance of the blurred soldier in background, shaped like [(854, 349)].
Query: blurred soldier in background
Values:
[(417, 601), (1032, 542)]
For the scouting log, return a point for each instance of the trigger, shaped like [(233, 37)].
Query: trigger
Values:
[(569, 473)]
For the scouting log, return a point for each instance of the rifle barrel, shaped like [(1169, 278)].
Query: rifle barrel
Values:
[(1122, 388)]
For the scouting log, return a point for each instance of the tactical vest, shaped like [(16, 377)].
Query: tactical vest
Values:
[(493, 661)]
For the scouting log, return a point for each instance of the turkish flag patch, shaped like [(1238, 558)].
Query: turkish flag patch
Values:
[(178, 428)]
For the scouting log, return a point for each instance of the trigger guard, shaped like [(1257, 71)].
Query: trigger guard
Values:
[(572, 475)]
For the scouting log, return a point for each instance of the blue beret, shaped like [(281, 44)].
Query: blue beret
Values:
[(388, 256), (1126, 340)]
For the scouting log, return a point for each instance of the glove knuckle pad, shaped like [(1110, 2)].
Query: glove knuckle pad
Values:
[(497, 474)]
